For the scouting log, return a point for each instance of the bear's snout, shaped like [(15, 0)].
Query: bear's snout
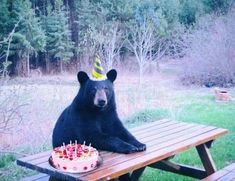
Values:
[(100, 98)]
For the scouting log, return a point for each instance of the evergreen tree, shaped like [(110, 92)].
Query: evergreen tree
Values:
[(29, 38), (4, 18), (59, 44)]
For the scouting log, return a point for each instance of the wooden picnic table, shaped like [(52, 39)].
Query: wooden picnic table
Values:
[(164, 139)]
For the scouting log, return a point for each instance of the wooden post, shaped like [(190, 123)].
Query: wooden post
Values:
[(206, 159), (137, 173), (179, 169)]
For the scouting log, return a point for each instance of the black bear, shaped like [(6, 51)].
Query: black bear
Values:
[(92, 117)]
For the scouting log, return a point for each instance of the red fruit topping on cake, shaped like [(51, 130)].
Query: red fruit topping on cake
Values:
[(75, 158), (86, 150)]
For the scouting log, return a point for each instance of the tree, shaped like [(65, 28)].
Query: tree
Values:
[(144, 35), (5, 38), (190, 11), (109, 40), (219, 6), (101, 29), (28, 38), (6, 53), (76, 30), (4, 18), (59, 44)]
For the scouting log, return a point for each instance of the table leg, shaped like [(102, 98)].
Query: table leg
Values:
[(125, 177), (137, 173), (54, 179), (179, 169), (206, 158)]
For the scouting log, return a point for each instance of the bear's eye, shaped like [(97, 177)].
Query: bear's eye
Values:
[(93, 90), (106, 90)]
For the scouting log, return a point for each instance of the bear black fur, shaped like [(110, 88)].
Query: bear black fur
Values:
[(92, 118)]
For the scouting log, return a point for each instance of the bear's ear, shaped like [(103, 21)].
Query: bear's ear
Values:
[(112, 75), (82, 77)]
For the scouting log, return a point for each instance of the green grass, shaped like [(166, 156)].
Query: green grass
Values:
[(10, 171), (6, 159), (145, 116)]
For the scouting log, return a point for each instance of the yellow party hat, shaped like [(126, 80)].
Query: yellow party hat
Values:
[(98, 71)]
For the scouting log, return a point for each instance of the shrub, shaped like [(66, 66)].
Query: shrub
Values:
[(210, 59), (217, 6)]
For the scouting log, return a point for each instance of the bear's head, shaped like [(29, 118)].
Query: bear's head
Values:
[(97, 94)]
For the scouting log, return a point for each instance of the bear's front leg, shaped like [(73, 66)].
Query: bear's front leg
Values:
[(110, 143), (126, 136)]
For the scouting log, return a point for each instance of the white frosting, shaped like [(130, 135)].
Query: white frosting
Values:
[(83, 159)]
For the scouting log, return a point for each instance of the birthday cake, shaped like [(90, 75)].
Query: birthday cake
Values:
[(75, 158)]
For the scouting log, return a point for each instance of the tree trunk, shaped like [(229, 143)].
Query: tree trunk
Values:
[(150, 54), (157, 66), (47, 63), (61, 66), (140, 73), (27, 65), (78, 62), (110, 63), (21, 66)]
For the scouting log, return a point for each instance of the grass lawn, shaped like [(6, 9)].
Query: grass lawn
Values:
[(180, 103), (200, 108)]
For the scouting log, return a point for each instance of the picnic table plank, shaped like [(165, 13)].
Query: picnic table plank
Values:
[(151, 124), (228, 177), (39, 177), (151, 155), (216, 175), (226, 174), (152, 144), (230, 167), (163, 140)]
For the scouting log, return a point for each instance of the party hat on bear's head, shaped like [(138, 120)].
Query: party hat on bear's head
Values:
[(98, 71)]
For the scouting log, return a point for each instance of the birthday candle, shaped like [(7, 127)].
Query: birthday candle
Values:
[(76, 148), (89, 148), (83, 146)]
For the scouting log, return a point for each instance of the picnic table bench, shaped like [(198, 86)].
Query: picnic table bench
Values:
[(164, 139), (226, 174)]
